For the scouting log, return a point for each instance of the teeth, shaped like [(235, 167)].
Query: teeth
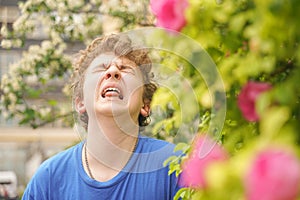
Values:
[(112, 90)]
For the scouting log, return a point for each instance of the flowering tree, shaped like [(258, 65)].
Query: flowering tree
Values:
[(62, 22), (255, 47)]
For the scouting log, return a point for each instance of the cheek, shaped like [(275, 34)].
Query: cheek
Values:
[(136, 88), (90, 88)]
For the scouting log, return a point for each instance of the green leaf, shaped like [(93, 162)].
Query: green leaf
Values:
[(184, 194), (52, 102), (169, 160), (33, 93), (182, 147)]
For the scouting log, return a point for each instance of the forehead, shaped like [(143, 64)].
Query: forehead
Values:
[(107, 58)]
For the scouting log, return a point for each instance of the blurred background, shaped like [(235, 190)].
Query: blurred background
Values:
[(22, 148), (253, 45)]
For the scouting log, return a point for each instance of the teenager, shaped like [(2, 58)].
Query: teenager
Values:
[(112, 92)]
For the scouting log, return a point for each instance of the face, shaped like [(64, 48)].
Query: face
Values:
[(113, 86)]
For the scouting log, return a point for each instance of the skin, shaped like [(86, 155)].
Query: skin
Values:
[(113, 115)]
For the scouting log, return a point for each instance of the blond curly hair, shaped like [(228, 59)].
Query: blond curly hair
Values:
[(120, 45)]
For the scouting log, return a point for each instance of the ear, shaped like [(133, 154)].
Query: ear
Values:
[(145, 110), (79, 106)]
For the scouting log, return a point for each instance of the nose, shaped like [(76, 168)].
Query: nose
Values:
[(113, 72)]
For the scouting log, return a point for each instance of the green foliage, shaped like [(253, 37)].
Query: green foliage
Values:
[(246, 39), (184, 194)]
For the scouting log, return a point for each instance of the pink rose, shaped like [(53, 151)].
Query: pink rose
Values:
[(247, 99), (274, 175), (169, 13), (205, 151)]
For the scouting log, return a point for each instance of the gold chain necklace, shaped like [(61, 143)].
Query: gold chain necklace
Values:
[(87, 162)]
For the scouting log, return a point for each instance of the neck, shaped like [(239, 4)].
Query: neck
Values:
[(117, 132), (110, 145)]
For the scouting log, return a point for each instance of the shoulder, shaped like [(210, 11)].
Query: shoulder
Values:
[(49, 170), (150, 155), (62, 158), (153, 144), (57, 164)]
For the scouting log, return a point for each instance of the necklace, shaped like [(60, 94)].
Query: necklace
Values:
[(87, 162)]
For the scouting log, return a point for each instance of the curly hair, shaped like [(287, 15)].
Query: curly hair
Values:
[(120, 45)]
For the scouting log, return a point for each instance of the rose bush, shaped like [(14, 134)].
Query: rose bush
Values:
[(273, 175), (259, 70), (247, 99), (255, 47), (170, 14), (204, 152)]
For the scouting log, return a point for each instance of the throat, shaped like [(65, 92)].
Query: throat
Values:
[(105, 165)]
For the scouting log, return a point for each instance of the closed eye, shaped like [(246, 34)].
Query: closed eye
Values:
[(99, 68), (126, 68)]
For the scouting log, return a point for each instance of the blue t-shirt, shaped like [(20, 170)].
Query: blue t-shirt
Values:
[(62, 177)]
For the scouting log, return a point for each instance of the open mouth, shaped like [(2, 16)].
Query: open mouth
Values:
[(112, 92)]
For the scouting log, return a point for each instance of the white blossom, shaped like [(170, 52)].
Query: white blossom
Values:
[(45, 111), (17, 42), (55, 37), (66, 90), (96, 2), (27, 65), (34, 49), (45, 76), (6, 90), (133, 6), (46, 44), (16, 85), (4, 113), (4, 31), (13, 69), (87, 7), (62, 10), (32, 79), (30, 23), (11, 108), (60, 49), (36, 1), (12, 98), (6, 43), (54, 64), (34, 107), (51, 4), (31, 57), (23, 6), (109, 5), (4, 79), (2, 98), (75, 3), (113, 25), (19, 23)]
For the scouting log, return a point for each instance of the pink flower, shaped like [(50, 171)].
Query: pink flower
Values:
[(274, 175), (247, 99), (205, 151), (170, 13)]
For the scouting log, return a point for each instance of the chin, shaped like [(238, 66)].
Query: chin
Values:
[(111, 109)]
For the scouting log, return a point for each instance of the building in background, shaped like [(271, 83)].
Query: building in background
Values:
[(22, 149)]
